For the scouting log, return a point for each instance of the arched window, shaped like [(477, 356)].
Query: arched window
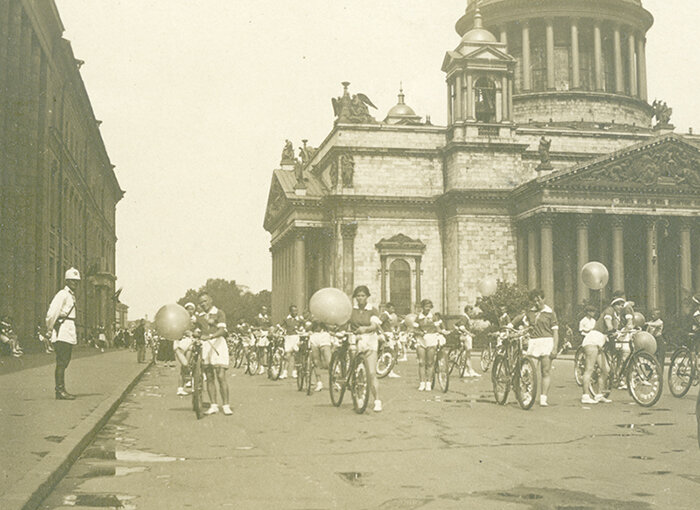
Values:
[(485, 100), (400, 285)]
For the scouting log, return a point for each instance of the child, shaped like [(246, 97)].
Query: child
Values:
[(320, 341), (587, 323)]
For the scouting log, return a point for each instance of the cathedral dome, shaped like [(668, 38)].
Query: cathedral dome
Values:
[(401, 113)]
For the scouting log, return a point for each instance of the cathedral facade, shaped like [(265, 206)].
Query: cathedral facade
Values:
[(552, 157)]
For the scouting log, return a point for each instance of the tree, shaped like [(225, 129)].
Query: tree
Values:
[(237, 302), (511, 296)]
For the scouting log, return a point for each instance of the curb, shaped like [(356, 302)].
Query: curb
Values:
[(30, 491)]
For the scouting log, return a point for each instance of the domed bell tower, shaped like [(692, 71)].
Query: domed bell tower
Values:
[(479, 85), (576, 61)]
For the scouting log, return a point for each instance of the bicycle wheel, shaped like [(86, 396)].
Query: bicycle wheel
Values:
[(453, 357), (336, 378), (386, 360), (500, 379), (239, 355), (579, 365), (681, 372), (301, 371), (526, 383), (486, 359), (274, 369), (253, 361), (644, 379), (359, 384), (197, 389), (441, 372), (308, 374)]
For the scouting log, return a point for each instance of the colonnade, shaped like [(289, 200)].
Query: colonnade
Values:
[(628, 54), (537, 247)]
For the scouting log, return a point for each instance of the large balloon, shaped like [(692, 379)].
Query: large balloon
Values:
[(639, 320), (410, 320), (594, 275), (172, 321), (645, 341), (331, 306), (487, 286)]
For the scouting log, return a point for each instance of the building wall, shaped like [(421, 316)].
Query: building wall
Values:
[(484, 168), (397, 175), (59, 191)]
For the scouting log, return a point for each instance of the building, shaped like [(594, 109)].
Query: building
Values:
[(58, 188), (549, 159)]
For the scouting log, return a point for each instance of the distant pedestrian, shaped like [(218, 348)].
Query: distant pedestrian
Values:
[(139, 335), (60, 320), (101, 338)]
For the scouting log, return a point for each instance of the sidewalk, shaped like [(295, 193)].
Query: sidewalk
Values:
[(41, 436)]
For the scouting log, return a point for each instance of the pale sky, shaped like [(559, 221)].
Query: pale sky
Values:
[(198, 96)]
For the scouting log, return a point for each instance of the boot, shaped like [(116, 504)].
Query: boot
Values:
[(62, 394)]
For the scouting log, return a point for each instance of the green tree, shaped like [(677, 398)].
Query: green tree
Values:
[(237, 301)]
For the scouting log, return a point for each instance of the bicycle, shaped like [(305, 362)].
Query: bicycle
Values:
[(386, 355), (304, 364), (511, 367), (641, 371), (488, 352), (195, 367), (441, 368), (684, 368), (275, 355), (252, 356), (348, 369)]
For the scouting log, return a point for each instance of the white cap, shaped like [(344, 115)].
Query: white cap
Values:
[(72, 274)]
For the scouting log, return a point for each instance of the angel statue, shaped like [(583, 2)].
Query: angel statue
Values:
[(543, 150), (662, 113), (288, 153), (352, 110)]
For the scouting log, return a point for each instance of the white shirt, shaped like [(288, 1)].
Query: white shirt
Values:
[(62, 305), (586, 325)]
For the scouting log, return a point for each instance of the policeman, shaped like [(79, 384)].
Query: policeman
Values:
[(60, 321)]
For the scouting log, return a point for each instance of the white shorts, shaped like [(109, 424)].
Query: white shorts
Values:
[(430, 340), (249, 340), (262, 339), (594, 338), (183, 344), (291, 343), (215, 352), (320, 339), (539, 347), (468, 341), (367, 342)]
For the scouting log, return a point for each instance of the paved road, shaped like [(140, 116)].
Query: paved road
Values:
[(282, 449)]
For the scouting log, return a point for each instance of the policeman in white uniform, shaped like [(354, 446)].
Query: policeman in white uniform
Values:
[(60, 321)]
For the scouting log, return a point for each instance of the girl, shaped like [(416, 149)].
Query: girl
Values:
[(366, 325)]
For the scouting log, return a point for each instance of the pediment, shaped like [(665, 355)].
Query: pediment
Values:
[(400, 243), (662, 163), (276, 201), (488, 53)]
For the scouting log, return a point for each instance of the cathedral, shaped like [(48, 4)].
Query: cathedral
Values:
[(552, 156)]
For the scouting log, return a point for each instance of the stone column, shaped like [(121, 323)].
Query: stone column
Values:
[(549, 36), (527, 82), (618, 253), (547, 257), (696, 236), (504, 36), (686, 279), (582, 223), (459, 94), (531, 257), (652, 264), (450, 106), (575, 60), (505, 114), (382, 259), (632, 68), (617, 49), (642, 67), (418, 293), (470, 98), (597, 56), (349, 231), (521, 239)]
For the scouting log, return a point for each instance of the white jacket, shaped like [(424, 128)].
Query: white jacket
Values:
[(59, 308)]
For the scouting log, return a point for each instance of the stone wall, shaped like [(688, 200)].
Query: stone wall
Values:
[(484, 168), (397, 175)]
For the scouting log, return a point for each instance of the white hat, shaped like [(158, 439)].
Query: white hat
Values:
[(72, 274)]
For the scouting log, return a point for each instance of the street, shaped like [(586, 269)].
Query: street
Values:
[(284, 449)]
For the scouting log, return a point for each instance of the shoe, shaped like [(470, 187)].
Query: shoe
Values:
[(294, 374), (428, 386), (319, 386), (393, 375), (543, 401), (622, 385), (602, 399), (213, 409), (473, 373), (262, 370), (181, 391), (188, 384), (377, 406), (587, 399), (283, 375), (227, 410), (421, 386), (64, 395)]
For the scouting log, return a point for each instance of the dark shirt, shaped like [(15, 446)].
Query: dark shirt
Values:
[(362, 317)]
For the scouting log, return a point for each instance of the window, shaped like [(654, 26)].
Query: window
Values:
[(400, 285), (485, 100)]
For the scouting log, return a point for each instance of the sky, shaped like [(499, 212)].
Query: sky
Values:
[(196, 99)]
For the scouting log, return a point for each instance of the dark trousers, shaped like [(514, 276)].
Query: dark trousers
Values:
[(63, 355)]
